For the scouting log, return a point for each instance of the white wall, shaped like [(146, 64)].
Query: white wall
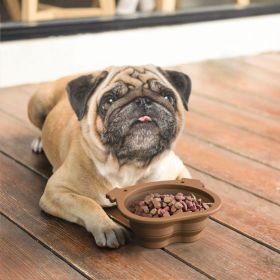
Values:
[(38, 60)]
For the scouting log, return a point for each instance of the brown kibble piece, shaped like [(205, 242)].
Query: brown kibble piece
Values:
[(146, 209), (153, 211), (157, 204), (179, 211), (193, 196), (166, 214), (180, 196), (178, 205), (148, 198), (185, 206), (173, 209), (167, 199), (172, 202), (205, 206), (160, 212)]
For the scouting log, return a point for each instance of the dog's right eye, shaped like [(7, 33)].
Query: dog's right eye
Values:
[(108, 102)]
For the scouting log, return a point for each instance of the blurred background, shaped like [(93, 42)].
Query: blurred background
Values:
[(46, 39)]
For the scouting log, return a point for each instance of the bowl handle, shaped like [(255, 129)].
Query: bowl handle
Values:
[(113, 194)]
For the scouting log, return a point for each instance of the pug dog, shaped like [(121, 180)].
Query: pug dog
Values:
[(108, 129)]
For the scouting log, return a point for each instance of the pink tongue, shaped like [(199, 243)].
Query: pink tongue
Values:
[(145, 119)]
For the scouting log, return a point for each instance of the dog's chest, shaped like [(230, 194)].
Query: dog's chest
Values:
[(125, 176)]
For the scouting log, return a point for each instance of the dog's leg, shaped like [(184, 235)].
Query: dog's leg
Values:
[(37, 146), (60, 202)]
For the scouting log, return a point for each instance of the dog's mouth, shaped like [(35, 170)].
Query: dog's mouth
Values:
[(145, 122), (144, 118)]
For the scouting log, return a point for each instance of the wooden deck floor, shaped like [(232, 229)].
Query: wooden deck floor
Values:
[(231, 142)]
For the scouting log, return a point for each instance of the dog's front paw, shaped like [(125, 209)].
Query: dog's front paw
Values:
[(110, 234)]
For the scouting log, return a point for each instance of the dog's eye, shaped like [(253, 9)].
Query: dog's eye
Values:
[(169, 98), (108, 102)]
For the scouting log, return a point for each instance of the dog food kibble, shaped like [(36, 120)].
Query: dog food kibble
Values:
[(164, 205)]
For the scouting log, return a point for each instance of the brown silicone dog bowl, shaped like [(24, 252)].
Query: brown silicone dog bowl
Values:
[(159, 232)]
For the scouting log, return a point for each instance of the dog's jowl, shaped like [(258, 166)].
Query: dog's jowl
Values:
[(112, 128)]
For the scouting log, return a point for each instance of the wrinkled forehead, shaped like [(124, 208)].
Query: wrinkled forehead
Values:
[(132, 76)]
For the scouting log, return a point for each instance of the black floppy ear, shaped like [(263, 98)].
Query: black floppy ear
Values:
[(182, 84), (81, 89)]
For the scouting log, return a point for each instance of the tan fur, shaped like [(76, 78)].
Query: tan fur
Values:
[(83, 170)]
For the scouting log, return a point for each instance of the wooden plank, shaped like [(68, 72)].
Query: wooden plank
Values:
[(166, 5), (248, 78), (29, 10), (234, 117), (243, 2), (239, 100), (252, 176), (269, 62), (24, 258), (108, 7), (234, 139), (246, 213), (239, 76), (225, 254), (13, 100), (13, 8), (21, 190), (230, 96), (16, 141)]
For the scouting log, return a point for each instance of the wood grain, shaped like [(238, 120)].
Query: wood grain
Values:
[(238, 75), (21, 190), (231, 139), (234, 139), (225, 254), (268, 62), (215, 90), (233, 117), (24, 258), (243, 211), (13, 100), (16, 141), (241, 172)]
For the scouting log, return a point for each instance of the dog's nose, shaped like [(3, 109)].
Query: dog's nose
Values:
[(143, 101)]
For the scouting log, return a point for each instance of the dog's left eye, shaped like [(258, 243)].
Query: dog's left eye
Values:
[(169, 98)]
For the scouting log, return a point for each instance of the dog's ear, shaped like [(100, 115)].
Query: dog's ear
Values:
[(81, 89), (181, 82)]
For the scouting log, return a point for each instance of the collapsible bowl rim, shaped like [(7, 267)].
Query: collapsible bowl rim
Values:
[(114, 195)]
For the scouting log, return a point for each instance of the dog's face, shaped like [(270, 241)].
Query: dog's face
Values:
[(134, 113)]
